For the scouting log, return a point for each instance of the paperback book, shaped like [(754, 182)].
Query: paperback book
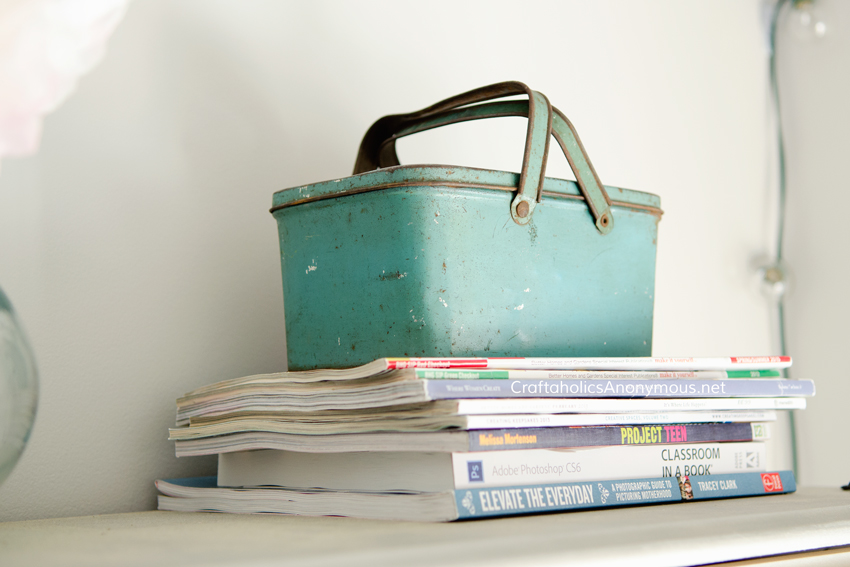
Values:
[(481, 440), (628, 364), (324, 396), (438, 418), (258, 404), (434, 472), (203, 494)]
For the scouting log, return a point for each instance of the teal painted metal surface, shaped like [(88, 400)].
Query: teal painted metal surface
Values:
[(420, 268), (436, 260)]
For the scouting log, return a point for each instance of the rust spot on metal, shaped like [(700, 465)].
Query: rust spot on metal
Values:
[(522, 210), (392, 276)]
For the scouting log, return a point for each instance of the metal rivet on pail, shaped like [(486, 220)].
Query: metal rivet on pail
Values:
[(522, 210)]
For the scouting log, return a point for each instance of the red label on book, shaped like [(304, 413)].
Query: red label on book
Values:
[(759, 359), (772, 482), (401, 363)]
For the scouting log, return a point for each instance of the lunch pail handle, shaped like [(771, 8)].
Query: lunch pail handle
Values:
[(377, 150)]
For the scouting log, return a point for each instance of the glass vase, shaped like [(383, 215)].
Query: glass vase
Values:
[(18, 388)]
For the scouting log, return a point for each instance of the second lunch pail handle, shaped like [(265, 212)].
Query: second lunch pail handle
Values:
[(536, 143), (377, 149)]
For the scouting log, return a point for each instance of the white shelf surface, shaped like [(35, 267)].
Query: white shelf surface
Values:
[(660, 535)]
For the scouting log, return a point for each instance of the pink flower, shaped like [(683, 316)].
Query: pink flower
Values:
[(45, 46)]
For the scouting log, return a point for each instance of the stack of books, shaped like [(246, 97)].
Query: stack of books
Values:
[(446, 439)]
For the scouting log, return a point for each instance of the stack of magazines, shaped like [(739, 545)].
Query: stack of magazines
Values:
[(447, 439)]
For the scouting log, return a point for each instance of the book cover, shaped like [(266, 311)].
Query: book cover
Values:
[(203, 495), (487, 440), (259, 406), (565, 437), (496, 374), (406, 470), (615, 405), (383, 366), (618, 388), (597, 363), (490, 502), (546, 466), (352, 423)]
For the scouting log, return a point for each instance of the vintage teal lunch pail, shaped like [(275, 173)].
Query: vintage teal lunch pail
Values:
[(436, 260)]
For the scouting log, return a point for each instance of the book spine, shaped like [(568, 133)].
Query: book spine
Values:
[(514, 421), (565, 437), (515, 500), (492, 374), (544, 466), (615, 405), (617, 388), (611, 363)]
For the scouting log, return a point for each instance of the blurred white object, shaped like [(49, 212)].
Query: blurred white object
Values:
[(45, 45), (807, 20)]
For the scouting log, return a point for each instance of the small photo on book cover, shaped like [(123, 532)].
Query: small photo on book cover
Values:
[(685, 488), (475, 470)]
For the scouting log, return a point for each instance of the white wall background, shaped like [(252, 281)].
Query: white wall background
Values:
[(815, 86), (139, 253)]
